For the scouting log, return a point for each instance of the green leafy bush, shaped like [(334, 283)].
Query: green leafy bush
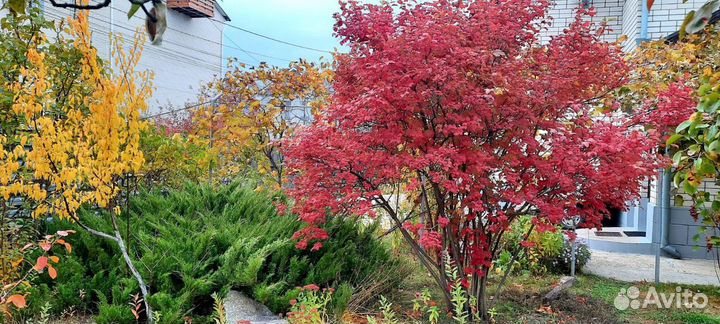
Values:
[(562, 262), (199, 240), (546, 252), (171, 160)]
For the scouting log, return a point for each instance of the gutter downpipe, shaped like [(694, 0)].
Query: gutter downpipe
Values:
[(644, 21), (665, 215), (661, 231)]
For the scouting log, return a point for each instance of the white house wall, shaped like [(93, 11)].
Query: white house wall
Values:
[(666, 16), (624, 18), (563, 14), (191, 53)]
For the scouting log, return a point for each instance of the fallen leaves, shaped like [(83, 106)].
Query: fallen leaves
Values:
[(545, 310)]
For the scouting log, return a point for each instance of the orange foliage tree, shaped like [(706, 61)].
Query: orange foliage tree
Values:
[(252, 110)]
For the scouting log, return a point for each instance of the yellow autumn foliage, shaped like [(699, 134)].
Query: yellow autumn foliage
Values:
[(74, 147), (657, 64), (252, 111)]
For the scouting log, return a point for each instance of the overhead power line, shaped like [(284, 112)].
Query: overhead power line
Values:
[(186, 57), (203, 103), (230, 39), (272, 38), (236, 47), (180, 109)]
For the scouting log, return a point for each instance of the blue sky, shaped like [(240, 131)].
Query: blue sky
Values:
[(305, 22)]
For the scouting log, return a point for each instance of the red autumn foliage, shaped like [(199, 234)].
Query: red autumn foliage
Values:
[(671, 107), (174, 123), (459, 101)]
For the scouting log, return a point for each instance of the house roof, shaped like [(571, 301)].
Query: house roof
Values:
[(222, 11), (674, 37)]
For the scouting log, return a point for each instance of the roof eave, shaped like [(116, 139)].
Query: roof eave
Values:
[(222, 11)]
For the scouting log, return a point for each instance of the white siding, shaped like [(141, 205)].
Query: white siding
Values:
[(563, 14), (191, 53), (666, 16), (708, 185), (624, 18), (654, 191)]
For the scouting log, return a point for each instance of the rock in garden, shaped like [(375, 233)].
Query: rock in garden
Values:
[(564, 284), (239, 308)]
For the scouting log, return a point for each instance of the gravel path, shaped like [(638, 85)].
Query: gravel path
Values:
[(640, 267)]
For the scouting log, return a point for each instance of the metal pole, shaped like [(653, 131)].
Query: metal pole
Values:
[(657, 263), (572, 257)]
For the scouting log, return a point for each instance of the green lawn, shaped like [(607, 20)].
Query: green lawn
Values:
[(590, 300)]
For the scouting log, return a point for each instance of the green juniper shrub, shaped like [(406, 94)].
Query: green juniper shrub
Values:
[(192, 242), (341, 299), (91, 269), (113, 314)]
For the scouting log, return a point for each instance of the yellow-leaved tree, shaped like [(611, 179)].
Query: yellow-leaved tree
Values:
[(250, 112), (659, 64), (76, 132)]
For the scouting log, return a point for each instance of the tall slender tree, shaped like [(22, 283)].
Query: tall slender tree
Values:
[(72, 129)]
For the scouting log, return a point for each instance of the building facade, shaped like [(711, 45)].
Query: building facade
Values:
[(190, 55), (626, 17), (644, 228)]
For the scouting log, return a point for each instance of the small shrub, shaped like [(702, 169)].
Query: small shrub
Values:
[(311, 305), (386, 310), (424, 306), (548, 252), (341, 300), (42, 316), (89, 271), (219, 314), (562, 262)]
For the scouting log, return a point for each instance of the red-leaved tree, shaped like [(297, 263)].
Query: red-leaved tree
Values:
[(459, 107), (672, 106)]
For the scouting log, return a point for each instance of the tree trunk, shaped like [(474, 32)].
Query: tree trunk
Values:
[(143, 288), (482, 307), (117, 238)]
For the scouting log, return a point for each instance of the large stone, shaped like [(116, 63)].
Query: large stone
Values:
[(564, 284), (239, 308)]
